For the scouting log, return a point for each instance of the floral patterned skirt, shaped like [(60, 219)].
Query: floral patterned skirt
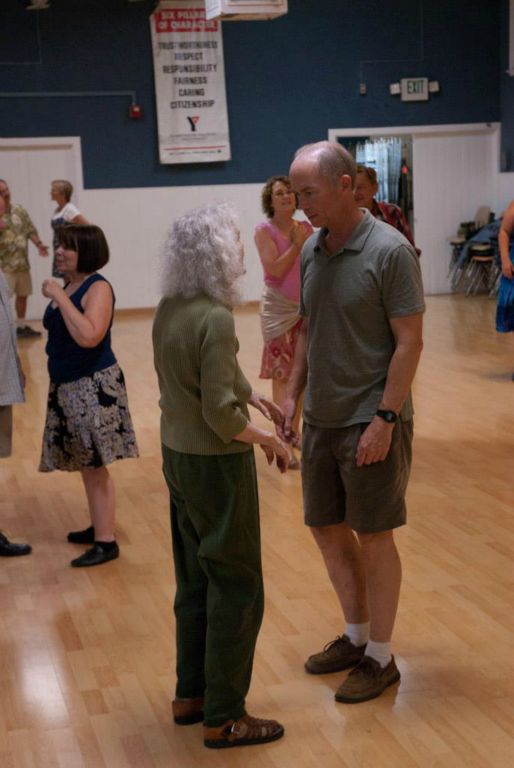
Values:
[(88, 423), (278, 354)]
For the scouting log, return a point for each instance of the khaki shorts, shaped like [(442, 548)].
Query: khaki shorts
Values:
[(5, 431), (19, 283), (369, 499)]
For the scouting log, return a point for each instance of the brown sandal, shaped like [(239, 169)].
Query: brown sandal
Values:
[(187, 711), (243, 732)]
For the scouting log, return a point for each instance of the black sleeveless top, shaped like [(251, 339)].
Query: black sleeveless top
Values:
[(67, 361)]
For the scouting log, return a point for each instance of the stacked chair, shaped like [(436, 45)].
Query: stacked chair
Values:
[(474, 263)]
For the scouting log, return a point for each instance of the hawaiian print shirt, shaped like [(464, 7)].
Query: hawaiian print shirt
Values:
[(13, 240)]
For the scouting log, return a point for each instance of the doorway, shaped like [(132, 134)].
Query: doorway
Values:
[(29, 165), (391, 159), (453, 174)]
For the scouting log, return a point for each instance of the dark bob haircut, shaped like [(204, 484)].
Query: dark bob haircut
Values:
[(90, 244), (267, 206)]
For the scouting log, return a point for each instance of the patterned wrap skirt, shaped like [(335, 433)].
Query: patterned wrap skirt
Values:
[(88, 423), (278, 355)]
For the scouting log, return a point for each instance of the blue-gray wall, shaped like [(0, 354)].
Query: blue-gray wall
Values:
[(288, 80), (506, 95)]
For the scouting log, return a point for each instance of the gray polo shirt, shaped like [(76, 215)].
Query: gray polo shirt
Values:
[(349, 297)]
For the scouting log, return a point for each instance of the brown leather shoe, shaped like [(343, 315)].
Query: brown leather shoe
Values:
[(367, 681), (243, 732), (337, 655), (187, 711)]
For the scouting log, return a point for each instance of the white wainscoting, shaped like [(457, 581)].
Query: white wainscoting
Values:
[(456, 171), (135, 222)]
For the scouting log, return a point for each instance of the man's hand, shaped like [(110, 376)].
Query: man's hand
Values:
[(374, 442), (42, 249), (287, 433)]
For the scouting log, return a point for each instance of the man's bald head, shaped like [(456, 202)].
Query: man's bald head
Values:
[(333, 160)]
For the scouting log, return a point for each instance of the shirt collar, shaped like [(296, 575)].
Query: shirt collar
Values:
[(357, 239)]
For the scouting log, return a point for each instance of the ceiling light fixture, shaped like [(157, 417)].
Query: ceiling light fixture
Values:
[(38, 5)]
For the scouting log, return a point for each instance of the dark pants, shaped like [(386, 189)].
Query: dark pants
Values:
[(219, 599)]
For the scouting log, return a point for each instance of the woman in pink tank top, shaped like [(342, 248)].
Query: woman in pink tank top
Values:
[(279, 242)]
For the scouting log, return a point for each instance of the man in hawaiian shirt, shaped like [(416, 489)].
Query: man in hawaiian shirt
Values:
[(14, 262)]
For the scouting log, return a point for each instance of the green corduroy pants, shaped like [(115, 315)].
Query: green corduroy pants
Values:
[(219, 597)]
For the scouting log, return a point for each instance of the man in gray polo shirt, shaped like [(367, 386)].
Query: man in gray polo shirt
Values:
[(362, 300)]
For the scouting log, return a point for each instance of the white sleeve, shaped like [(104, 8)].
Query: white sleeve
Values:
[(69, 212)]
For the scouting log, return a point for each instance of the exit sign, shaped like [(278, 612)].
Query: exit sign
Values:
[(414, 88)]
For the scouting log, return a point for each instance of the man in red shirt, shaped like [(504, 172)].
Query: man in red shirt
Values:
[(365, 189)]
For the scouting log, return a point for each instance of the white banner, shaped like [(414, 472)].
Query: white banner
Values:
[(189, 84)]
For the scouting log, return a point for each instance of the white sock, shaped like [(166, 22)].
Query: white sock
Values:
[(358, 634), (381, 652)]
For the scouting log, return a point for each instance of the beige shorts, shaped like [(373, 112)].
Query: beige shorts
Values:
[(19, 283), (369, 499), (5, 431)]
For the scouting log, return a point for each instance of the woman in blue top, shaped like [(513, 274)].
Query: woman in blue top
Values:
[(505, 309), (88, 424)]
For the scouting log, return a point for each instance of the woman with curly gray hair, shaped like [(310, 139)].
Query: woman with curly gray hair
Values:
[(209, 467)]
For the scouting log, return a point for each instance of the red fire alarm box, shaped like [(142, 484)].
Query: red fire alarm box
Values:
[(135, 112)]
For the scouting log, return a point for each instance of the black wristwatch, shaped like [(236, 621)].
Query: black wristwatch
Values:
[(389, 416)]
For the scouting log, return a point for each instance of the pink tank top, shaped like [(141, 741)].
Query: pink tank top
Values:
[(289, 284)]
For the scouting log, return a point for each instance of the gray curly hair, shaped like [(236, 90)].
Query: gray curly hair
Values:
[(203, 255)]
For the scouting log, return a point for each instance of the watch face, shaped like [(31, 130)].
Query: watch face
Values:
[(389, 416)]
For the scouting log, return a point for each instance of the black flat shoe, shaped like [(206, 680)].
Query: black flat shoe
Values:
[(9, 549), (96, 556), (87, 536)]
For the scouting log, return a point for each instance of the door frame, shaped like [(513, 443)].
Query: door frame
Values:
[(413, 130)]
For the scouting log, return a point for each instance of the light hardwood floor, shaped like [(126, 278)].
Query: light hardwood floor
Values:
[(87, 656)]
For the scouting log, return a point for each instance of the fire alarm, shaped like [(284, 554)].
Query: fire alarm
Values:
[(135, 112)]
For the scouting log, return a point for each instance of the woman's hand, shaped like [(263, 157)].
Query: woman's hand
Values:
[(508, 269), (268, 408), (52, 289), (299, 234), (275, 448)]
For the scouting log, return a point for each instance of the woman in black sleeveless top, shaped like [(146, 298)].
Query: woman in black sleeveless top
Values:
[(88, 423)]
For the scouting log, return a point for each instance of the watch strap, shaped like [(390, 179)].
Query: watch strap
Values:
[(390, 416)]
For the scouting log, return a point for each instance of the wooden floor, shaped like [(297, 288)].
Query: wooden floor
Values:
[(87, 656)]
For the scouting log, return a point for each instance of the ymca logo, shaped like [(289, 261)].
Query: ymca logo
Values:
[(193, 122)]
